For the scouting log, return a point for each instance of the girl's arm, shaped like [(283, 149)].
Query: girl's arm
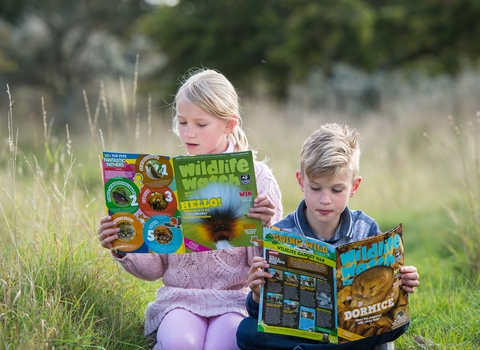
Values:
[(148, 267), (268, 205)]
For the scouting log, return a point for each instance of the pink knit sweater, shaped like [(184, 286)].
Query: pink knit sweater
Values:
[(208, 283)]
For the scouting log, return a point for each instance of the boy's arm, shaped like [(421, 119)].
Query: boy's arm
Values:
[(256, 274), (410, 278), (252, 306)]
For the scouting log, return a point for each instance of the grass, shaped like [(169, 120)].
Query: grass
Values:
[(60, 290)]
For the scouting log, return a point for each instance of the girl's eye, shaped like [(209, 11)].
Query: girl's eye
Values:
[(182, 123), (202, 125)]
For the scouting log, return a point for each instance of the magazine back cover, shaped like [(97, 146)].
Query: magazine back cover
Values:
[(215, 192), (370, 298), (140, 195), (299, 300)]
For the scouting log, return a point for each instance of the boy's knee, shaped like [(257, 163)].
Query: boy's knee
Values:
[(396, 333), (246, 332)]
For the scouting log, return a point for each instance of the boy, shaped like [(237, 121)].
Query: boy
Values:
[(328, 177)]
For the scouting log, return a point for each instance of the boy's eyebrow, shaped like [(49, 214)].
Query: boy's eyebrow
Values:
[(329, 183)]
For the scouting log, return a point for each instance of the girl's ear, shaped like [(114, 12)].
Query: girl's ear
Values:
[(299, 177), (231, 124), (355, 186)]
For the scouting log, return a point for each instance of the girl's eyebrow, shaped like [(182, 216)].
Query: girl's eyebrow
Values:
[(194, 119)]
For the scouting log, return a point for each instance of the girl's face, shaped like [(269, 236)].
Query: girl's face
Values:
[(200, 132), (326, 199)]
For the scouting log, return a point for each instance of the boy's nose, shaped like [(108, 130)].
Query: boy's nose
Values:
[(324, 198)]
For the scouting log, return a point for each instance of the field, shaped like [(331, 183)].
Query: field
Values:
[(60, 290)]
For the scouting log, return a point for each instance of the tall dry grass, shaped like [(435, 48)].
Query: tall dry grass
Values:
[(60, 289)]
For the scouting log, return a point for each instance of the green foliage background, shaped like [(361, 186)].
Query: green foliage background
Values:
[(60, 47), (285, 40)]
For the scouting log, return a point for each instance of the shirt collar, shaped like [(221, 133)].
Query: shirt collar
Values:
[(342, 230)]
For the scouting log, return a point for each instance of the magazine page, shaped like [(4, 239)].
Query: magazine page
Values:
[(215, 192), (299, 300), (140, 194), (370, 298), (209, 206)]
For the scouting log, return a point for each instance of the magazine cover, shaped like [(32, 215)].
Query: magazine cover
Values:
[(333, 294), (370, 298), (216, 193)]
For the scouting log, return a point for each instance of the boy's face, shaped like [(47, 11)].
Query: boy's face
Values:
[(326, 199)]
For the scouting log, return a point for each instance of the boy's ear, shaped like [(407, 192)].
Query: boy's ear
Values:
[(231, 124), (299, 177), (355, 186)]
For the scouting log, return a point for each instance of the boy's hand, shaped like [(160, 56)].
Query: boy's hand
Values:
[(256, 275), (263, 209), (107, 233), (409, 278)]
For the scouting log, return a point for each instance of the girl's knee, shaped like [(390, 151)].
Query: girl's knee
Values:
[(181, 329), (180, 343)]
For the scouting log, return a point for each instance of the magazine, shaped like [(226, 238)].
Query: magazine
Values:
[(181, 204), (332, 294)]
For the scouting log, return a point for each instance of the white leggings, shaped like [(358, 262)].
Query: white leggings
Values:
[(182, 330)]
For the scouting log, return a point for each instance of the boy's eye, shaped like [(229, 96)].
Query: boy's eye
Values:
[(315, 188), (337, 190), (202, 125)]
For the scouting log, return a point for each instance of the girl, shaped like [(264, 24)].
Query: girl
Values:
[(202, 299)]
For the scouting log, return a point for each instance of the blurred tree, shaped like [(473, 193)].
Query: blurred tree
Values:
[(231, 36), (285, 40), (435, 34), (10, 10), (61, 45)]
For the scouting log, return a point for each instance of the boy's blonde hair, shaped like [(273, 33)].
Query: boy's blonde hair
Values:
[(213, 92), (329, 150)]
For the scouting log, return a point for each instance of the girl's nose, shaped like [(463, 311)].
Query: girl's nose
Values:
[(189, 132)]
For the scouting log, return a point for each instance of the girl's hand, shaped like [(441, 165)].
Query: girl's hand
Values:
[(256, 275), (263, 209), (107, 233), (409, 278)]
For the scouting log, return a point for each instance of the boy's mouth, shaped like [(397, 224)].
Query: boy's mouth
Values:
[(324, 212)]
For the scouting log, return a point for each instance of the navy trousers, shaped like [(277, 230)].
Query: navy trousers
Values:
[(248, 338)]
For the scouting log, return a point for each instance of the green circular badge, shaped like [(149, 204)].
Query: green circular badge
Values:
[(121, 196)]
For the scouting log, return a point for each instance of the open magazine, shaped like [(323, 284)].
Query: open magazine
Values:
[(333, 294), (181, 204)]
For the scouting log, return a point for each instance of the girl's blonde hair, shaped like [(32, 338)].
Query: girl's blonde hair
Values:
[(213, 92)]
